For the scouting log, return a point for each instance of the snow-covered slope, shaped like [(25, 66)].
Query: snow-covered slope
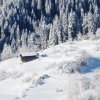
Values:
[(55, 75)]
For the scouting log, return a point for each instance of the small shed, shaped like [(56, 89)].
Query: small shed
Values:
[(28, 56)]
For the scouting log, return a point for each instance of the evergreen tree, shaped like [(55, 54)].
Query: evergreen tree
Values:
[(64, 20), (71, 25), (42, 34), (30, 42), (58, 29), (24, 41), (39, 4), (91, 25), (13, 46), (53, 39), (6, 52), (48, 6)]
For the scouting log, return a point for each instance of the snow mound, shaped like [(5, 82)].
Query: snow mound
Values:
[(76, 65)]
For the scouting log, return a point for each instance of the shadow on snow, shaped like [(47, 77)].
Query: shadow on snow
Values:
[(93, 63)]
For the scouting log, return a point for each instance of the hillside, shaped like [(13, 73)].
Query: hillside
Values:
[(58, 74)]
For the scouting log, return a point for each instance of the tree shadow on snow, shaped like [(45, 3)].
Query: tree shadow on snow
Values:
[(93, 63)]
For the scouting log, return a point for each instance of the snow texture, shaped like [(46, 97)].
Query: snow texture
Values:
[(69, 71)]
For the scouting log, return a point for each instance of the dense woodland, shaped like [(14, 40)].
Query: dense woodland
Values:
[(32, 25)]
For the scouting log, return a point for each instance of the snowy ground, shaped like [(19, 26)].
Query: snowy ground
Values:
[(50, 77)]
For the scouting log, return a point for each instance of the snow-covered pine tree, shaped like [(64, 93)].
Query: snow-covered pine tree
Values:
[(24, 41), (53, 38), (71, 25), (58, 29), (13, 46), (30, 42), (64, 21), (39, 4), (42, 34), (48, 6), (91, 25), (85, 26), (6, 52)]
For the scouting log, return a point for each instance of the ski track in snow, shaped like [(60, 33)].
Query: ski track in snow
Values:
[(42, 79)]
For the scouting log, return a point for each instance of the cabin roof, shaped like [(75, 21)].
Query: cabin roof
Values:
[(28, 53)]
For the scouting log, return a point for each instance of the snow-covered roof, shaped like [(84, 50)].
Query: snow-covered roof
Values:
[(28, 53)]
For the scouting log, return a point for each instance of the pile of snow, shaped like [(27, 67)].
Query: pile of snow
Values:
[(75, 65), (4, 75)]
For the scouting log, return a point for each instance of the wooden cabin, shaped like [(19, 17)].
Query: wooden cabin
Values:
[(28, 57)]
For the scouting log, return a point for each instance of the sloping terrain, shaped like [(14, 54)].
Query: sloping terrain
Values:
[(69, 71)]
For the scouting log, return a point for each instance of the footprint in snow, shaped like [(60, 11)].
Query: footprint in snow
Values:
[(27, 89), (24, 95), (59, 90), (17, 98)]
